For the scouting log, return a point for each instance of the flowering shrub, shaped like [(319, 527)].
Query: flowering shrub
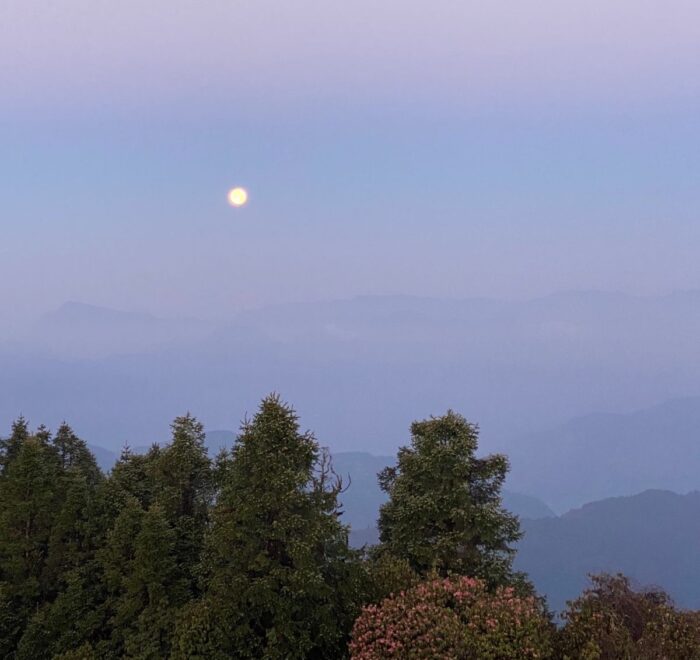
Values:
[(452, 618)]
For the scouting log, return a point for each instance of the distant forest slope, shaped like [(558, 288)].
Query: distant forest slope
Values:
[(653, 537), (609, 455)]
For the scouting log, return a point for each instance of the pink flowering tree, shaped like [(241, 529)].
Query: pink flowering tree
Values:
[(453, 618)]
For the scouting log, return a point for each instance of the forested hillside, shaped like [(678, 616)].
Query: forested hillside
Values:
[(652, 537)]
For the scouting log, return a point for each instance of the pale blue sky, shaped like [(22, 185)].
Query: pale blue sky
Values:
[(444, 148)]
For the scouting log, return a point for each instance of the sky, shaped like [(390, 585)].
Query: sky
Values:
[(443, 148)]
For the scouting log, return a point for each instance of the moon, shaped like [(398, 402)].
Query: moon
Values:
[(237, 197)]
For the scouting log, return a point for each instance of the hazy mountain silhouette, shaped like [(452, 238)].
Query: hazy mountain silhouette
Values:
[(79, 330), (653, 537), (359, 371), (604, 455)]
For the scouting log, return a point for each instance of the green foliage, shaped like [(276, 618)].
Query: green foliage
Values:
[(453, 618), (610, 621), (444, 511), (28, 504), (173, 555), (78, 613), (10, 447), (388, 575), (200, 633), (280, 571), (83, 652), (184, 489)]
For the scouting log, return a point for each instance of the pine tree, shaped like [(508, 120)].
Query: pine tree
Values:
[(154, 589), (281, 576), (184, 488), (444, 511), (9, 448), (133, 476), (77, 614), (116, 564), (73, 453), (28, 506), (75, 532)]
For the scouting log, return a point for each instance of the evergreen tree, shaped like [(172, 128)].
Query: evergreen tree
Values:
[(143, 582), (28, 505), (75, 532), (133, 476), (77, 614), (444, 510), (116, 564), (9, 447), (200, 633), (184, 488), (154, 589), (73, 453), (281, 576)]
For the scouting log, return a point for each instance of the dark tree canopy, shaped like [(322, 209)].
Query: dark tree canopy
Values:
[(173, 555), (444, 512), (276, 531)]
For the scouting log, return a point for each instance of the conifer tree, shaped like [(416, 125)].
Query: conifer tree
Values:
[(444, 510), (154, 589), (75, 532), (78, 613), (280, 572), (28, 505), (184, 488), (133, 476), (73, 454), (116, 565), (9, 448)]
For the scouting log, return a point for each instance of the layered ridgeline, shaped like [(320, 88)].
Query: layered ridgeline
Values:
[(516, 366), (653, 537), (605, 455)]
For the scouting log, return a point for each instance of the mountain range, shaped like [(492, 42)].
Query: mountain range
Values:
[(569, 386), (653, 537)]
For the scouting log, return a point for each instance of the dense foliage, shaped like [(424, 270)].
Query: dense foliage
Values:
[(453, 618), (611, 620), (175, 555), (444, 511)]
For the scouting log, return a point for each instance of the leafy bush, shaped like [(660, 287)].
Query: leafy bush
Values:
[(611, 620), (453, 618)]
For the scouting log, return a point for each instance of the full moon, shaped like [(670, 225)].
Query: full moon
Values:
[(237, 197)]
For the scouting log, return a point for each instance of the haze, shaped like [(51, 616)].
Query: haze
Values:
[(490, 207), (448, 149), (458, 163)]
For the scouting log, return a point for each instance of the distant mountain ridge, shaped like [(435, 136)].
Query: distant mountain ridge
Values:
[(359, 371), (605, 454), (653, 537), (79, 312), (81, 330)]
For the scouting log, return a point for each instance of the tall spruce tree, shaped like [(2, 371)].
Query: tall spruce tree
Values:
[(9, 447), (116, 566), (184, 488), (444, 510), (29, 502), (154, 590), (279, 567)]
